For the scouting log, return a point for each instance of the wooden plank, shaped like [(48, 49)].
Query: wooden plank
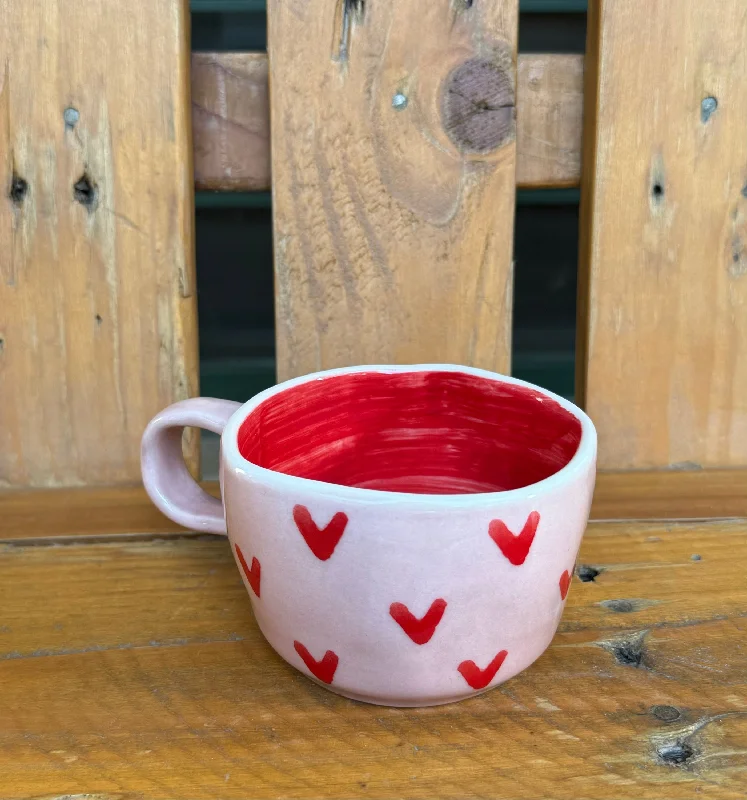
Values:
[(393, 223), (137, 671), (671, 494), (231, 121), (664, 295), (548, 120), (105, 511), (661, 495), (97, 299), (94, 511)]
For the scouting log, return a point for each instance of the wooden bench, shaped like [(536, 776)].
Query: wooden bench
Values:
[(130, 664)]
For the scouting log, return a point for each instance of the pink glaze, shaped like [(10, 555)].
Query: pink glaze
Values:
[(407, 535)]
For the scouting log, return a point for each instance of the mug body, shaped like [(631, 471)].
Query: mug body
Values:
[(407, 535)]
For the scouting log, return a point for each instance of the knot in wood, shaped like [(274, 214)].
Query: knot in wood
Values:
[(18, 189), (666, 713), (85, 191), (478, 106), (587, 573)]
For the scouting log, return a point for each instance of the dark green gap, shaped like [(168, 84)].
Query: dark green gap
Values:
[(235, 288), (244, 27), (524, 197)]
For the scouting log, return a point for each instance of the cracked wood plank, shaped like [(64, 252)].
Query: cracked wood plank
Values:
[(231, 121)]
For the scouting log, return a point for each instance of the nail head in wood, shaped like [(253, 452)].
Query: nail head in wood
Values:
[(71, 117), (478, 106), (399, 101), (707, 108)]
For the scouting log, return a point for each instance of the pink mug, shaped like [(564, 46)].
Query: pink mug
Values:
[(407, 534)]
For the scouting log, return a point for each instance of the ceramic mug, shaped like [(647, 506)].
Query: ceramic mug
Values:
[(407, 534)]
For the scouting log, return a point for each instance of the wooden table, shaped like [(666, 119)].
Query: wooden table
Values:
[(131, 667)]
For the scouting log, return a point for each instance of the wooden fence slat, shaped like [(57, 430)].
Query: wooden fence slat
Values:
[(664, 263), (393, 146), (97, 297), (231, 121)]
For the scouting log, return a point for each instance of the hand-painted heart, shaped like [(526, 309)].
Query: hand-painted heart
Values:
[(564, 583), (479, 678), (419, 630), (515, 547), (254, 574), (324, 670), (321, 542)]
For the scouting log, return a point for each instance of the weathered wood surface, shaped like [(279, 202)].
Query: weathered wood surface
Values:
[(663, 323), (134, 670), (95, 511), (231, 121), (97, 295), (671, 494), (549, 116), (393, 223), (102, 511)]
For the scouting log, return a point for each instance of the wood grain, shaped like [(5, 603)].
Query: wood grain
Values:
[(105, 511), (142, 675), (663, 329), (97, 296), (231, 121), (671, 494), (393, 232), (93, 511), (548, 120)]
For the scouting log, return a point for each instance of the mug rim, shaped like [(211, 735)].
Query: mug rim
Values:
[(234, 461)]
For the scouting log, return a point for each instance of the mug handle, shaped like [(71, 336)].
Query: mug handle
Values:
[(165, 474)]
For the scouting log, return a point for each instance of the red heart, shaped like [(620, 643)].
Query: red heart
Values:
[(324, 670), (479, 678), (419, 630), (565, 582), (515, 548), (254, 574), (322, 542)]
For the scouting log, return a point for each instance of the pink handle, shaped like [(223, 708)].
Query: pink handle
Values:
[(165, 474)]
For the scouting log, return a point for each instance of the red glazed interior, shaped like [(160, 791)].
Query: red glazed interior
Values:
[(423, 432)]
